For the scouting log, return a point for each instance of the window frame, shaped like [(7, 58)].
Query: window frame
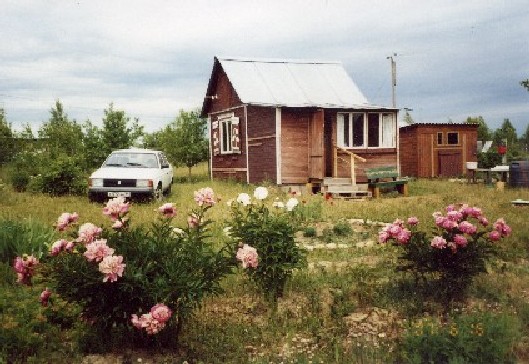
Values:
[(228, 124), (448, 137), (341, 133)]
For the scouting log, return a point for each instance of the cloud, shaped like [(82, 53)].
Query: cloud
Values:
[(454, 59)]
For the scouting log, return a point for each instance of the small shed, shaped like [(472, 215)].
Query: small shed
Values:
[(437, 149), (291, 122)]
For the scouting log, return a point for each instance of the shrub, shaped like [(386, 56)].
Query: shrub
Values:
[(122, 276), (473, 338), (19, 180), (309, 232), (63, 176), (454, 254), (271, 234), (342, 228)]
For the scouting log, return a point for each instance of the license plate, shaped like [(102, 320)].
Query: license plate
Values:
[(119, 194)]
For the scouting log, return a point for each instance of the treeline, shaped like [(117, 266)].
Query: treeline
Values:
[(505, 135), (58, 158)]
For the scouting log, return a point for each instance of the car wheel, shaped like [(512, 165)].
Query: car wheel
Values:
[(168, 190), (158, 193)]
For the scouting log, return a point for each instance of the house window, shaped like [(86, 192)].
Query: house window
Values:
[(350, 130), (453, 138), (440, 138), (227, 137), (356, 131)]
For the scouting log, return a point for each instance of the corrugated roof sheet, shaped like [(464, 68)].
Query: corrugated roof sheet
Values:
[(293, 83)]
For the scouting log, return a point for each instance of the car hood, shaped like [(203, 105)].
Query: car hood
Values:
[(125, 173)]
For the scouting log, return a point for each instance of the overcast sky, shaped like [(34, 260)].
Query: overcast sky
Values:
[(152, 58)]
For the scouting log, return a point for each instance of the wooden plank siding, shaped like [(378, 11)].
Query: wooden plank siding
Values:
[(228, 166), (261, 144), (295, 145), (421, 155)]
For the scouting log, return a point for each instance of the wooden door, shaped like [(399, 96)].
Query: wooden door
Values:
[(316, 155), (449, 164)]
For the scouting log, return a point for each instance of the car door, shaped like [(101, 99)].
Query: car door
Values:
[(167, 171)]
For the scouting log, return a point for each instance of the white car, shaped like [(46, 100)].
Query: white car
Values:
[(132, 173)]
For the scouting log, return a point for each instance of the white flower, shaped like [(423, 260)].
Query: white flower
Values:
[(229, 202), (178, 231), (243, 198), (291, 203), (278, 204), (260, 193), (227, 231)]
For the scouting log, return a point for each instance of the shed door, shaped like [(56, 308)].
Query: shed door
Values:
[(316, 165), (449, 164)]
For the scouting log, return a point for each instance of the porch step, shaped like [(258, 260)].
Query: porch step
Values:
[(344, 189), (349, 195)]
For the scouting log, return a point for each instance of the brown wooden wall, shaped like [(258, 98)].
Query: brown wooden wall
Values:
[(295, 145), (226, 166), (262, 144), (422, 156)]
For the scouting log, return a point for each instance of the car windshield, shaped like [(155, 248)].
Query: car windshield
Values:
[(142, 160)]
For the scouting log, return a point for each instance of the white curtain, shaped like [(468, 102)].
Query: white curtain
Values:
[(389, 132)]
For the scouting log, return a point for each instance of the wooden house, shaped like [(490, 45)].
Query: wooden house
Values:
[(437, 150), (293, 122)]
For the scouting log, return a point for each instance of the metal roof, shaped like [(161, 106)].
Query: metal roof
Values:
[(293, 83)]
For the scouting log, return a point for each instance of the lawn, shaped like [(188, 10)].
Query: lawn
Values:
[(348, 306)]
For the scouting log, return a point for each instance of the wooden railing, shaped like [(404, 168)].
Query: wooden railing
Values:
[(352, 162)]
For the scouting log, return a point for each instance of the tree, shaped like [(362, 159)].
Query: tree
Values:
[(408, 119), (525, 83), (524, 140), (116, 134), (484, 132), (60, 135), (94, 149), (507, 133), (7, 141), (184, 140)]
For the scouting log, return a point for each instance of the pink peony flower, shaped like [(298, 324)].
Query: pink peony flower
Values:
[(494, 235), (483, 220), (460, 240), (501, 227), (161, 313), (116, 208), (412, 221), (383, 236), (44, 297), (69, 246), (248, 256), (394, 230), (58, 247), (193, 221), (454, 216), (97, 250), (147, 322), (65, 220), (404, 236), (112, 267), (204, 196), (25, 267), (88, 232), (167, 210), (467, 227), (438, 242)]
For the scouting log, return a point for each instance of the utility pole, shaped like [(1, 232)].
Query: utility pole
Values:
[(393, 79)]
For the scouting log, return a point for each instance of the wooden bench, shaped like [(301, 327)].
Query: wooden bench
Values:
[(385, 177)]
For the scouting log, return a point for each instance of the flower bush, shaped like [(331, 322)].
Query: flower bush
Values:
[(265, 236), (117, 273), (461, 243)]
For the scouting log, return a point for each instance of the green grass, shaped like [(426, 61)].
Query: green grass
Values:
[(315, 320)]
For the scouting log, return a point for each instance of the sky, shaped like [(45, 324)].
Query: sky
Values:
[(152, 58)]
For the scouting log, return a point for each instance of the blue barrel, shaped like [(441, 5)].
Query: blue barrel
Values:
[(519, 174)]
